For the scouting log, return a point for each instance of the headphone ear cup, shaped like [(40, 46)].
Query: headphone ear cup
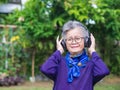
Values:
[(63, 45), (87, 41)]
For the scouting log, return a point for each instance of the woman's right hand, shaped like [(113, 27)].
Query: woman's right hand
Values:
[(58, 45)]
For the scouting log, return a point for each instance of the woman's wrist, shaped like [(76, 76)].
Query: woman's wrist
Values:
[(61, 51), (91, 51)]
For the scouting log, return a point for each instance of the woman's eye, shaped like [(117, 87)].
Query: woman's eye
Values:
[(69, 39), (78, 38)]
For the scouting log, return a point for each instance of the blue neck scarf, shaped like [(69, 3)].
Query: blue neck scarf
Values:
[(75, 64)]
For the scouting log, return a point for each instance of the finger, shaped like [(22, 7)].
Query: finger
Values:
[(92, 37), (57, 40), (61, 40)]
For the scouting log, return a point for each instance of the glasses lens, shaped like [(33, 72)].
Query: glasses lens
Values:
[(77, 39)]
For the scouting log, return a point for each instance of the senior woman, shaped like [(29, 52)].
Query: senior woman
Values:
[(76, 70)]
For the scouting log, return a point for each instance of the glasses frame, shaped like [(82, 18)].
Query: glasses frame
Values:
[(76, 39)]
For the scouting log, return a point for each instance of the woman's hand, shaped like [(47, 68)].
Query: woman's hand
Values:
[(91, 49), (59, 46)]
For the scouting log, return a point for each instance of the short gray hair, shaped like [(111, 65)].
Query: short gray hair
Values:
[(74, 24)]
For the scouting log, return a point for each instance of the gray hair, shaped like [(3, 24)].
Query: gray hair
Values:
[(74, 24)]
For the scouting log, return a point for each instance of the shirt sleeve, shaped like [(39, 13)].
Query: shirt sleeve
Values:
[(49, 68), (100, 70)]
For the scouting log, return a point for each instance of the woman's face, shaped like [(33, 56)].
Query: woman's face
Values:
[(74, 41)]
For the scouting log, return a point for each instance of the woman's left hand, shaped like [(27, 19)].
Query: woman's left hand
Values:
[(91, 49)]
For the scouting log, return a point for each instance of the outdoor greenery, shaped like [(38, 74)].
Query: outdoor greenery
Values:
[(24, 48)]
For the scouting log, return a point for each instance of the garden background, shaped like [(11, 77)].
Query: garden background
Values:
[(28, 36)]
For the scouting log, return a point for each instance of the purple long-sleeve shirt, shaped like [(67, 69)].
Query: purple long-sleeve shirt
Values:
[(56, 69)]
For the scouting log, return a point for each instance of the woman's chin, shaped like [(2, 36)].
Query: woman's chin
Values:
[(75, 52)]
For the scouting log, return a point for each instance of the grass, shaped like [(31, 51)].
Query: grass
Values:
[(107, 86), (97, 87), (30, 86), (26, 88)]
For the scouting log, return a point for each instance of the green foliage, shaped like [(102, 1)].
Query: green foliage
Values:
[(3, 1), (35, 28), (108, 27), (41, 21), (9, 48)]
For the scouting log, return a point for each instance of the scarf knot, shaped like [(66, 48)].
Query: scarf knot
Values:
[(75, 64)]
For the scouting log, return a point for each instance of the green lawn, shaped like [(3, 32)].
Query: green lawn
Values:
[(26, 88), (32, 87), (107, 86)]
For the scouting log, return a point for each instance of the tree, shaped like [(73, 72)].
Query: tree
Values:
[(36, 28), (43, 21)]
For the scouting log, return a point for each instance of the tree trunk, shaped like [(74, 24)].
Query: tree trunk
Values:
[(33, 63)]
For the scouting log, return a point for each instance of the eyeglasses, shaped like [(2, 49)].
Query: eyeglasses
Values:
[(76, 39)]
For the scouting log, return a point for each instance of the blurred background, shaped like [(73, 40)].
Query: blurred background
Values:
[(28, 31)]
